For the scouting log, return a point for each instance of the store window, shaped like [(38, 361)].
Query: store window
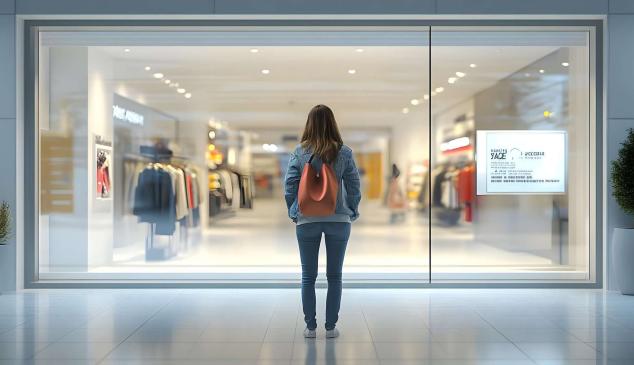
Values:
[(162, 154), (511, 160)]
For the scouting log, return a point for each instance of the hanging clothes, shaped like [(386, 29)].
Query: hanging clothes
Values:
[(466, 191), (155, 199)]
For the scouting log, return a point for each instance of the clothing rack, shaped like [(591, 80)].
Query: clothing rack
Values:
[(154, 252)]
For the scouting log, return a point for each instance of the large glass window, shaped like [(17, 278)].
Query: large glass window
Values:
[(511, 126), (162, 154)]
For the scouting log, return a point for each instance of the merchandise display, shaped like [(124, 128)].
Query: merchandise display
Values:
[(166, 193)]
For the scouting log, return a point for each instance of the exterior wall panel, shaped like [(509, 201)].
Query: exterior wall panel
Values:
[(8, 194), (620, 75), (7, 71), (522, 7), (621, 6), (325, 7), (7, 6), (114, 7)]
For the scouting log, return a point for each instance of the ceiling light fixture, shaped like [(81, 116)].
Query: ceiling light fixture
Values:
[(405, 110), (473, 65), (414, 102), (440, 89), (352, 71), (180, 90), (167, 82), (527, 74), (148, 68), (565, 64), (359, 50), (426, 97), (452, 80), (254, 50), (541, 71), (433, 93), (266, 71), (461, 74), (127, 50), (188, 96), (158, 75)]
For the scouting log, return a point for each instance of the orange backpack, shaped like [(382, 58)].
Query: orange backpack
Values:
[(317, 195)]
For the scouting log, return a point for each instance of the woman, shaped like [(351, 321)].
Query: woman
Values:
[(395, 197), (322, 140)]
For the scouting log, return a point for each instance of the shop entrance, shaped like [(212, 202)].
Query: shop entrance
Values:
[(207, 120)]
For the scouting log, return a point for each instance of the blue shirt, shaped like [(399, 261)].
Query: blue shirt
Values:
[(348, 194)]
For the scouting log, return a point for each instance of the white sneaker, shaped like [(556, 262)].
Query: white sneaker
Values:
[(333, 333), (310, 333)]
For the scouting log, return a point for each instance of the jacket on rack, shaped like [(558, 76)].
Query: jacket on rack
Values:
[(154, 200)]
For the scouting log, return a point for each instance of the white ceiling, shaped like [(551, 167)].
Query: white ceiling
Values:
[(227, 84)]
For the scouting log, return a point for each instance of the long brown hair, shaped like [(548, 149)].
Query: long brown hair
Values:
[(321, 134)]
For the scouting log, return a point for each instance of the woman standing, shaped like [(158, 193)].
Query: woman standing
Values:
[(321, 143)]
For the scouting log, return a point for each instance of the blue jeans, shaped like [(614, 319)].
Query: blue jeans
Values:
[(309, 239)]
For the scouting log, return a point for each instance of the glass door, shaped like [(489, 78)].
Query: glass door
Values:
[(511, 159)]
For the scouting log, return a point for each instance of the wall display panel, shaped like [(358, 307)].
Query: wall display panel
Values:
[(521, 162)]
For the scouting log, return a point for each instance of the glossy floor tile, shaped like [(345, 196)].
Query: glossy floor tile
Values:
[(261, 327)]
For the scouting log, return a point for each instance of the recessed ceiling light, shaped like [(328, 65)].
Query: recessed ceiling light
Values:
[(254, 50), (527, 74), (451, 80), (266, 71), (433, 93), (541, 71), (473, 65), (148, 68), (414, 101), (359, 50), (175, 84), (188, 96), (352, 71), (167, 81), (426, 97), (180, 90), (405, 110), (461, 74), (126, 50), (565, 64), (158, 75), (440, 89)]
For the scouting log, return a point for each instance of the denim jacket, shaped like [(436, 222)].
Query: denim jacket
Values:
[(349, 192)]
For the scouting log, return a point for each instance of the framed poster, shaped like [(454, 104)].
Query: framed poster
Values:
[(521, 162), (103, 168)]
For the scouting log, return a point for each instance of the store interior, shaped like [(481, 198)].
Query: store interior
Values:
[(206, 124)]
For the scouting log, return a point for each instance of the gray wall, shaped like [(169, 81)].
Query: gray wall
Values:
[(620, 114), (621, 52)]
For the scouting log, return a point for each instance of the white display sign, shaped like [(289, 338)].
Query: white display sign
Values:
[(126, 115), (521, 162)]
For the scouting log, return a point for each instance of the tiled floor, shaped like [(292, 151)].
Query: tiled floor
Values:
[(253, 326)]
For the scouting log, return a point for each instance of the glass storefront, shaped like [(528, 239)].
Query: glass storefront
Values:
[(162, 154)]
